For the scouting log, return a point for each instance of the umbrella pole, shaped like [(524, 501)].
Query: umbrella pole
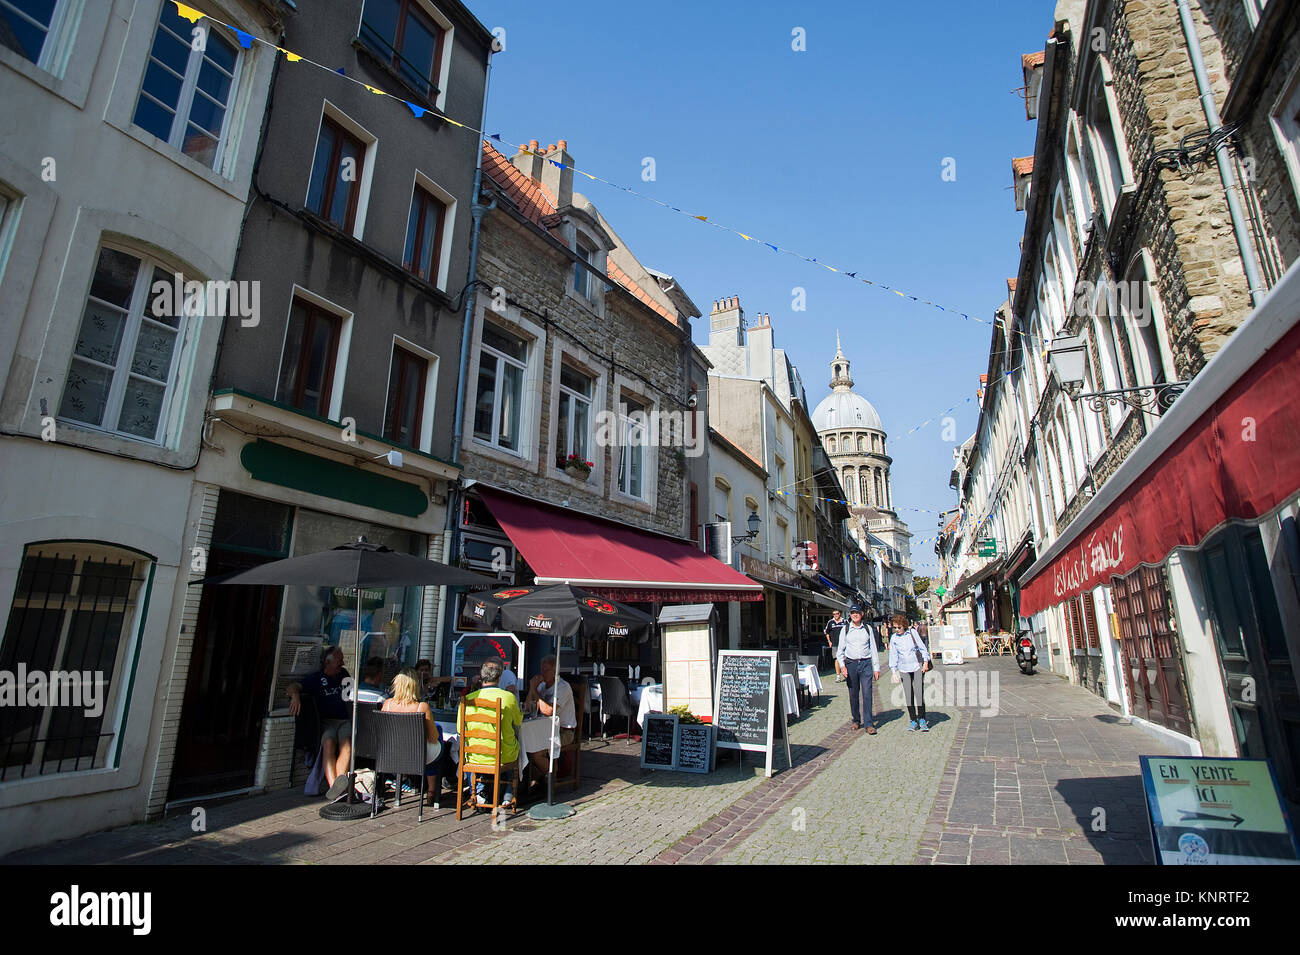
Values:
[(551, 810), (353, 808)]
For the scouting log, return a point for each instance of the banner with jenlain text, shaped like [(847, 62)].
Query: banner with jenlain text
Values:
[(1239, 459)]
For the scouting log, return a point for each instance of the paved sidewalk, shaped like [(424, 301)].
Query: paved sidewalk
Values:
[(1053, 777)]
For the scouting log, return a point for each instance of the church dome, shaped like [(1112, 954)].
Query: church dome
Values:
[(843, 410)]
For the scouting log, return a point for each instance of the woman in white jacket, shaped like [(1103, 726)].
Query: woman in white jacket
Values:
[(910, 659)]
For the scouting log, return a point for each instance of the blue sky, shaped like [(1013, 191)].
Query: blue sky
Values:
[(835, 151)]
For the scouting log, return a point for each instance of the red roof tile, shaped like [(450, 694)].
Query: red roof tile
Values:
[(1011, 286), (1022, 166), (532, 198), (1030, 60)]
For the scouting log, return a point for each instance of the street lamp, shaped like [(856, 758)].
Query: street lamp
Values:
[(753, 524), (1068, 356)]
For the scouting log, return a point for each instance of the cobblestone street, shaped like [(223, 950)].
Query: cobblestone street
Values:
[(1025, 784)]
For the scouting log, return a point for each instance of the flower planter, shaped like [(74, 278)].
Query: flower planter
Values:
[(578, 474)]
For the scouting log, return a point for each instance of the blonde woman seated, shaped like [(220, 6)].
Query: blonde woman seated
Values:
[(406, 699)]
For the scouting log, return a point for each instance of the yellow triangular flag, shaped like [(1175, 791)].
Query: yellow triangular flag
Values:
[(898, 293), (291, 57), (701, 218), (745, 237), (375, 91), (188, 13), (454, 123)]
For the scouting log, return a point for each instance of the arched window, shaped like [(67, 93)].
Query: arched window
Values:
[(1113, 373), (830, 445), (1080, 192), (1064, 248), (1104, 150), (880, 491), (862, 443), (1091, 419), (1144, 319), (865, 490)]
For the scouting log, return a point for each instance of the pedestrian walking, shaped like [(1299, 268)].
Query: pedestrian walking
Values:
[(832, 631), (857, 658), (910, 660)]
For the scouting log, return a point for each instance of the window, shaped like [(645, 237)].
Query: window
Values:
[(721, 499), (574, 418), (74, 609), (424, 231), (30, 28), (124, 366), (1103, 142), (307, 366), (1066, 262), (631, 462), (498, 402), (1080, 194), (584, 279), (407, 376), (335, 187), (1091, 419), (865, 489), (186, 93), (408, 39)]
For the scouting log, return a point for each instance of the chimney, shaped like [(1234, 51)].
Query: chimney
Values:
[(559, 181), (529, 165), (727, 322)]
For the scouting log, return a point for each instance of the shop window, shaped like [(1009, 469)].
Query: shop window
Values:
[(573, 421), (186, 94), (125, 369), (498, 402), (403, 419), (337, 172), (310, 354), (74, 618)]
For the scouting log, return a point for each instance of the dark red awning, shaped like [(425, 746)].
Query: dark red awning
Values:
[(618, 562), (1239, 459)]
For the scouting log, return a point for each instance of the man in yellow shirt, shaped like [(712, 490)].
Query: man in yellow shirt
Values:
[(511, 719)]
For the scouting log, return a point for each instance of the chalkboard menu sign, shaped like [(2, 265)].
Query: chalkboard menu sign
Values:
[(694, 747), (659, 741), (746, 692)]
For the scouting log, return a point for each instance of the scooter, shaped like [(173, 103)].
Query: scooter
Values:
[(1026, 655)]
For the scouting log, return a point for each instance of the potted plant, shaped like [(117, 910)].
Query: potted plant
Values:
[(577, 468)]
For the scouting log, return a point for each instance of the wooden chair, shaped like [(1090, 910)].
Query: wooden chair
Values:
[(480, 742), (574, 779)]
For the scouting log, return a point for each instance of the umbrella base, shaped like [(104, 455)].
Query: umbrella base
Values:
[(345, 811), (552, 811)]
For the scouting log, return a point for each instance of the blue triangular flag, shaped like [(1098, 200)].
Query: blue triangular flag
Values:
[(496, 136), (245, 39), (851, 275), (561, 166), (340, 72), (771, 246), (417, 110)]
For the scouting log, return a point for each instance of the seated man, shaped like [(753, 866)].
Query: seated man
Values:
[(509, 681), (511, 719), (325, 686), (547, 692), (371, 689)]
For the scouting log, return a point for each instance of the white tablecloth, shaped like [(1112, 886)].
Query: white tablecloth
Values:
[(535, 734), (650, 699), (790, 694), (810, 678)]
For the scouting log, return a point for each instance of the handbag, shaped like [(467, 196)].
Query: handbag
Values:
[(920, 658)]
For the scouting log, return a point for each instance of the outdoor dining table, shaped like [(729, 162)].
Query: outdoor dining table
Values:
[(790, 694), (649, 699), (810, 678)]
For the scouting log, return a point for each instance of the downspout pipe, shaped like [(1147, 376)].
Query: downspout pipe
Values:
[(451, 535), (1253, 279)]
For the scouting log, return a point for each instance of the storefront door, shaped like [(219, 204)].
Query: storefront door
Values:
[(229, 679), (1257, 667), (1153, 664)]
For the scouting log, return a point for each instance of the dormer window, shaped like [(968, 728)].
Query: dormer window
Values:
[(584, 279)]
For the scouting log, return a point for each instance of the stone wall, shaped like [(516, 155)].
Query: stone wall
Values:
[(628, 340)]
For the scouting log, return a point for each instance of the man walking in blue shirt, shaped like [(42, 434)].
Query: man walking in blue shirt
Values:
[(857, 658)]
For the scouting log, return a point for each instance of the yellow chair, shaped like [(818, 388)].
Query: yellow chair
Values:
[(481, 742)]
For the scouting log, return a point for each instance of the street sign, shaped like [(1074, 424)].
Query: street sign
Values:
[(1216, 811), (988, 548)]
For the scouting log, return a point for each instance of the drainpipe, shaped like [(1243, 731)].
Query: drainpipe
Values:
[(451, 535), (1253, 280)]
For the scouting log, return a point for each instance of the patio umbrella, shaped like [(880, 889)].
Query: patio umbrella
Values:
[(556, 610), (359, 565)]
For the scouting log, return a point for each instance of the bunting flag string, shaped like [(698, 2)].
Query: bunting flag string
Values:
[(246, 40)]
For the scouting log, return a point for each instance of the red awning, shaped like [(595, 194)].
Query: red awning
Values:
[(1237, 459), (618, 562)]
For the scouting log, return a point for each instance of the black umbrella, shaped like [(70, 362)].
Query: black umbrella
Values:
[(556, 610), (359, 565)]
